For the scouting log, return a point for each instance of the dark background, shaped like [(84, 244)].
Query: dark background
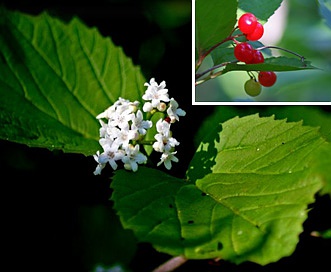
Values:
[(57, 214)]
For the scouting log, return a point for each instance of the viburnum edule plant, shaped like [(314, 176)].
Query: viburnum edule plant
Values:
[(245, 190)]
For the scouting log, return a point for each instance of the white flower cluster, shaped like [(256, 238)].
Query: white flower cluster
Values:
[(123, 129)]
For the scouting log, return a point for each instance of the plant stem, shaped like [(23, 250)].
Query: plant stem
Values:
[(286, 50), (146, 142), (211, 75), (213, 68), (171, 264)]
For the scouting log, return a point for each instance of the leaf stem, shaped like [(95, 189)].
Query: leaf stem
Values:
[(171, 264), (146, 142)]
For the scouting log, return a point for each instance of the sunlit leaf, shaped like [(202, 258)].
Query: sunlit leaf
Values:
[(253, 183), (56, 78)]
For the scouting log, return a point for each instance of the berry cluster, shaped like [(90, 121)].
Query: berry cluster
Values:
[(249, 25), (245, 52)]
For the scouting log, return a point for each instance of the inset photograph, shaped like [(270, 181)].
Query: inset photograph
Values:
[(269, 52)]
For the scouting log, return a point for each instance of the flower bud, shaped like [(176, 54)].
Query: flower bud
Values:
[(161, 106)]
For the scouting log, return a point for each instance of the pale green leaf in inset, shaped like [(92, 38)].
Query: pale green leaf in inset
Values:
[(56, 78), (277, 64), (325, 10), (214, 21), (262, 9)]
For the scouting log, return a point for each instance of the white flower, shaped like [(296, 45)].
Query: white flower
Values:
[(163, 127), (120, 105), (127, 103), (132, 157), (164, 143), (158, 145), (100, 166), (103, 129), (107, 113), (121, 117), (166, 158), (106, 142), (171, 143), (174, 112), (112, 132), (111, 154), (139, 124), (124, 136), (156, 93)]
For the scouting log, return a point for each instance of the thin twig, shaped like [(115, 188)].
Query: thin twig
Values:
[(286, 50), (214, 68), (171, 264)]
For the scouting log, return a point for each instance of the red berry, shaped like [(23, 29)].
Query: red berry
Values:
[(247, 23), (256, 34), (267, 78), (244, 52), (257, 57)]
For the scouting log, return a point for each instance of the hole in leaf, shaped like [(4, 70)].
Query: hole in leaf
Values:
[(190, 222), (219, 246), (171, 206), (203, 194)]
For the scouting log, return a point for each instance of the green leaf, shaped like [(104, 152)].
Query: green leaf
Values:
[(149, 137), (322, 166), (312, 116), (262, 215), (214, 21), (277, 64), (258, 174), (325, 10), (145, 202), (56, 78), (262, 9), (264, 145), (253, 183), (326, 234), (222, 55)]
